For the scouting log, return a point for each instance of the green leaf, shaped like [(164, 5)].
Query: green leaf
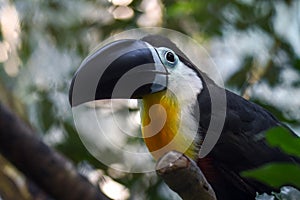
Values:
[(46, 112), (296, 64), (180, 8), (282, 138), (276, 174)]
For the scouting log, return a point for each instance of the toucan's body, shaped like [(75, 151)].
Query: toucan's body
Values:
[(241, 147), (158, 73)]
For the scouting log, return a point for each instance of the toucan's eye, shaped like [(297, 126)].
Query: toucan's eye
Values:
[(167, 57), (170, 57)]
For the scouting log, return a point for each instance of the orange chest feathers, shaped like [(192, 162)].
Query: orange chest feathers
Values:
[(161, 121)]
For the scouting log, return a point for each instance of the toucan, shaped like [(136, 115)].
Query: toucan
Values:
[(177, 109)]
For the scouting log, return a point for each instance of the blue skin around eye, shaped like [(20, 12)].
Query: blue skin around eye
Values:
[(162, 51)]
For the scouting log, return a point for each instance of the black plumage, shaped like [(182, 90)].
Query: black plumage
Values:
[(241, 146)]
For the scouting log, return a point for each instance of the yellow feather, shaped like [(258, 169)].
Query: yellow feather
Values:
[(161, 118)]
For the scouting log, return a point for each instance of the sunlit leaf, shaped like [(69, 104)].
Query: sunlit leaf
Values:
[(181, 7), (279, 174), (282, 138), (276, 174)]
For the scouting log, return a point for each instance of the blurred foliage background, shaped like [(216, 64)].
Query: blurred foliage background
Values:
[(255, 45)]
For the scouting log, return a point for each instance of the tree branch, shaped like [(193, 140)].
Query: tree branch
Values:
[(50, 170), (183, 176)]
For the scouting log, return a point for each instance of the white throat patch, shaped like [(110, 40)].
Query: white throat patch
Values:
[(186, 85)]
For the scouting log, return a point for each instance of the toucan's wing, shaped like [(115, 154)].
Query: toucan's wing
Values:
[(241, 146)]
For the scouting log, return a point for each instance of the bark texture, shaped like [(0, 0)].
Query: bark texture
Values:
[(55, 174), (183, 176)]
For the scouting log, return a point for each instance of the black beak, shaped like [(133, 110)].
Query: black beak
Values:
[(120, 70)]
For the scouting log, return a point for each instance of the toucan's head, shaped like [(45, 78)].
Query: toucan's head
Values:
[(132, 69), (152, 69)]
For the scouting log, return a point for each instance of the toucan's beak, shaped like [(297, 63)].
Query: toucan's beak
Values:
[(120, 70)]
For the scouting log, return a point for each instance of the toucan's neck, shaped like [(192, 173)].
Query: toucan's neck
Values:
[(167, 124)]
